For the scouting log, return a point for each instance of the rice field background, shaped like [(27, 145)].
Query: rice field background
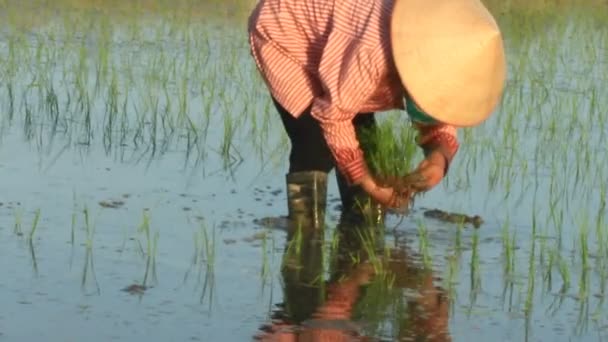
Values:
[(139, 150)]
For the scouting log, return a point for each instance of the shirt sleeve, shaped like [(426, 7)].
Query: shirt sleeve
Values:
[(443, 138), (348, 76)]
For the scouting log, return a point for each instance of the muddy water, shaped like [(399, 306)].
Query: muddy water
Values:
[(207, 272)]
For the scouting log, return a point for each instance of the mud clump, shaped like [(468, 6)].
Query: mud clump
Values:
[(445, 216), (112, 204), (135, 289), (407, 187), (413, 184)]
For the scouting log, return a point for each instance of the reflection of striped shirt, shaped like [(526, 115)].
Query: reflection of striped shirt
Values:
[(335, 57)]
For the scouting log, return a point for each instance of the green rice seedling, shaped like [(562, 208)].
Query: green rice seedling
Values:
[(84, 102), (475, 276), (28, 124), (548, 274), (52, 107), (458, 238), (151, 248), (369, 243), (198, 254), (192, 134), (564, 271), (204, 259), (381, 299), (584, 256), (332, 250), (557, 216), (508, 243), (531, 274), (30, 237), (11, 100), (123, 130), (335, 242), (451, 278), (18, 222), (423, 242), (206, 107), (602, 253), (559, 299), (507, 295), (227, 147), (210, 255), (494, 172), (601, 213), (73, 226), (582, 321), (508, 254), (393, 149), (89, 228), (111, 112), (88, 267), (89, 270), (294, 247), (168, 123), (104, 52), (30, 244), (184, 85), (265, 271), (603, 277), (154, 104)]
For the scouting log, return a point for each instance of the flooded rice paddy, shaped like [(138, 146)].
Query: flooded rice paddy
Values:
[(139, 153)]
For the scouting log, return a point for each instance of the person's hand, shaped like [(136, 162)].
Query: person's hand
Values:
[(429, 172), (386, 196)]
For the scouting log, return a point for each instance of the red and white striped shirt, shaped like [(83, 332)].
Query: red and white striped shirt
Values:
[(335, 57)]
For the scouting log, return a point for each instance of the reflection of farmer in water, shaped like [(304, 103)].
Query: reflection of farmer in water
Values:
[(317, 311), (330, 64)]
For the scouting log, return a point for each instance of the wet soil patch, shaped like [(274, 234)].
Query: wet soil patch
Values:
[(449, 217)]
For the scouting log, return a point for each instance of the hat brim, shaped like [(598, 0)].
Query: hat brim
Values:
[(449, 56)]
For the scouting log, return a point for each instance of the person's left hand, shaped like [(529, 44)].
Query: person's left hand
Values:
[(429, 172)]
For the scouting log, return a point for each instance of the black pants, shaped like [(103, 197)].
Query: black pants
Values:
[(309, 150)]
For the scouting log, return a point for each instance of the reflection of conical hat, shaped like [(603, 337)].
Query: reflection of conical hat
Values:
[(449, 55)]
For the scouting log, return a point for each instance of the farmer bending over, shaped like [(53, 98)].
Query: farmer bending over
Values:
[(329, 65)]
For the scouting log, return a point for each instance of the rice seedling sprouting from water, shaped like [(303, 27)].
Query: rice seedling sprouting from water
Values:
[(203, 259), (88, 266), (151, 248)]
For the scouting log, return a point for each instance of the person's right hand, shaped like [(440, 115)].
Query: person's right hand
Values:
[(386, 196)]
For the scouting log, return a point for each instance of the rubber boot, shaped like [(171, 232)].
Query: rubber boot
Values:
[(357, 204), (307, 198)]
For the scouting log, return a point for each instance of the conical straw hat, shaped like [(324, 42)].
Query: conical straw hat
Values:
[(450, 57)]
